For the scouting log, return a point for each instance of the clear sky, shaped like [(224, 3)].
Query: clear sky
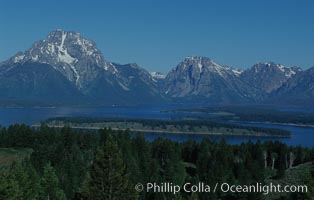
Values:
[(159, 34)]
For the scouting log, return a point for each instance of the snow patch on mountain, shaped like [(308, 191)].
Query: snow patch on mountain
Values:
[(35, 57), (19, 58), (237, 72), (200, 67), (76, 74), (158, 75), (64, 35), (124, 87), (63, 56)]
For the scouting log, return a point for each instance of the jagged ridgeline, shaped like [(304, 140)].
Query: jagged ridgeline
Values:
[(65, 68)]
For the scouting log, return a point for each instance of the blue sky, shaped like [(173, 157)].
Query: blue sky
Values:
[(159, 34)]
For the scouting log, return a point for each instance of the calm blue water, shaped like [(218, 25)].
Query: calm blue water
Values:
[(300, 135), (32, 115)]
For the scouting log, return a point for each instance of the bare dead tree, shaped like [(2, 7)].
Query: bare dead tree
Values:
[(265, 158), (292, 159), (274, 156), (286, 158)]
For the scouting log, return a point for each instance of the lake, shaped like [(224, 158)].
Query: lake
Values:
[(31, 115), (300, 135)]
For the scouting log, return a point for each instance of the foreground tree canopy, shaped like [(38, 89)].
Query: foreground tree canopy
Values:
[(105, 164)]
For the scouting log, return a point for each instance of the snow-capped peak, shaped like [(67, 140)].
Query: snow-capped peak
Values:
[(202, 64), (61, 47), (67, 52), (266, 66), (200, 60)]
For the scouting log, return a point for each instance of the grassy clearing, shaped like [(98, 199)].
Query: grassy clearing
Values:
[(9, 155), (297, 175)]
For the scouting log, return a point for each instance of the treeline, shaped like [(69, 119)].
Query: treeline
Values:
[(106, 164), (191, 124), (257, 114), (285, 118)]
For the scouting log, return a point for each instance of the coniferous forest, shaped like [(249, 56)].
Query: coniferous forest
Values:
[(78, 164)]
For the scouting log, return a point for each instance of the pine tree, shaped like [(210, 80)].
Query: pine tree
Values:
[(142, 152), (50, 186), (20, 181), (27, 179), (9, 188), (108, 178)]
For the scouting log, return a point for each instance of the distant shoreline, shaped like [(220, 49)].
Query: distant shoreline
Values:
[(165, 131), (277, 123)]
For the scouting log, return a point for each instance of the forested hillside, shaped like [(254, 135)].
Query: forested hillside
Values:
[(105, 164)]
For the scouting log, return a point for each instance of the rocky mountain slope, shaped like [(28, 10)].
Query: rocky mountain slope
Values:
[(66, 68), (268, 76), (299, 90), (82, 67), (202, 78)]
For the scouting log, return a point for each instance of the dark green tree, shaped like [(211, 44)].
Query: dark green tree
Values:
[(9, 188), (108, 178), (24, 174), (50, 186)]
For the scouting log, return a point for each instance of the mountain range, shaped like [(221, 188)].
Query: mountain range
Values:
[(67, 69)]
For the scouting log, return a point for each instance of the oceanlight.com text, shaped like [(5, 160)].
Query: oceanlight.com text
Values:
[(201, 187)]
